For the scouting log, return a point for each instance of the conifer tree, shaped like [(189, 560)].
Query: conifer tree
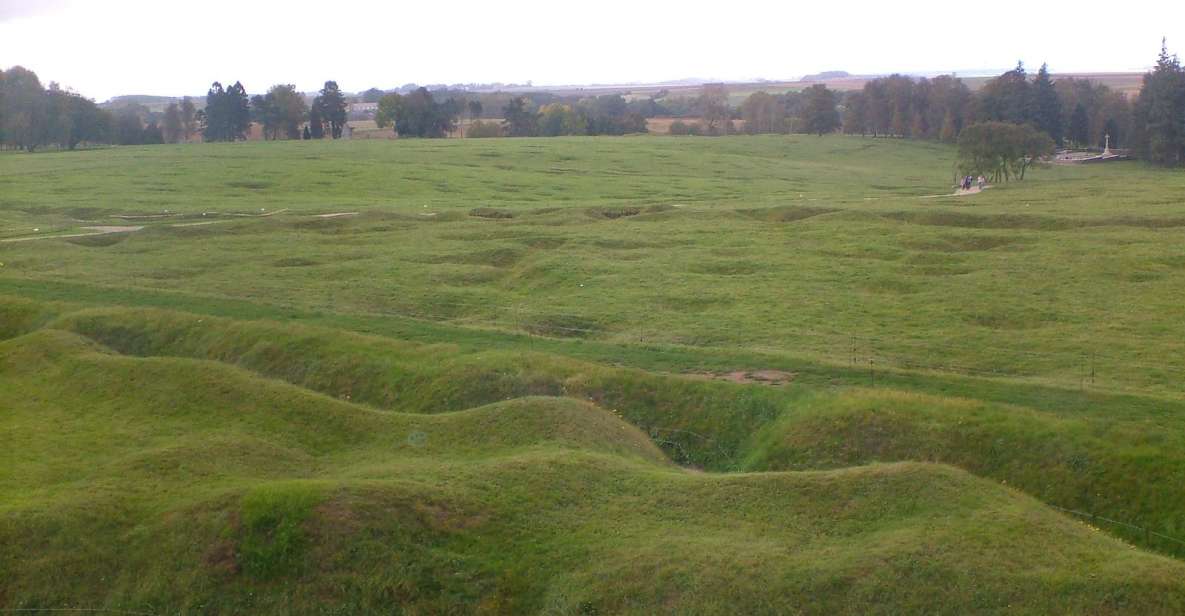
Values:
[(1080, 126), (1159, 131), (1046, 107), (316, 121), (333, 108)]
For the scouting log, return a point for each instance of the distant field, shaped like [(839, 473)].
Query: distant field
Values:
[(529, 375), (367, 129), (1128, 83)]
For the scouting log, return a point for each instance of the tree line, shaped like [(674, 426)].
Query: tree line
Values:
[(1069, 111)]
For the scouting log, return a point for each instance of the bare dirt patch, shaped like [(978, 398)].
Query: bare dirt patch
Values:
[(773, 378)]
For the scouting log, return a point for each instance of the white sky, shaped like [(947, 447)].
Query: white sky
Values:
[(103, 48)]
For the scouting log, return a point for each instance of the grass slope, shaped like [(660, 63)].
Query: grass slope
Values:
[(1124, 466), (168, 484)]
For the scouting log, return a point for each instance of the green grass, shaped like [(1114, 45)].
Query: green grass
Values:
[(814, 247), (191, 485), (485, 391)]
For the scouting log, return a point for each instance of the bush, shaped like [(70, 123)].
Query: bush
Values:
[(679, 127), (483, 130)]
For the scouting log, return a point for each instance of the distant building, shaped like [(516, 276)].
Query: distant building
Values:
[(362, 111)]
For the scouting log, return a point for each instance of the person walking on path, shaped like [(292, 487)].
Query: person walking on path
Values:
[(981, 181)]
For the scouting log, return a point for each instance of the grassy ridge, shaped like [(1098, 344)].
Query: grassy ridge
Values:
[(1123, 466), (174, 484)]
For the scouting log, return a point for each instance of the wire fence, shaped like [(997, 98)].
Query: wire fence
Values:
[(1176, 546)]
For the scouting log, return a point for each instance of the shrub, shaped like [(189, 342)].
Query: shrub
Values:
[(679, 127), (482, 130)]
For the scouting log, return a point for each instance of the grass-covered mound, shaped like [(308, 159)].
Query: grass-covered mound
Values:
[(167, 484), (1115, 459)]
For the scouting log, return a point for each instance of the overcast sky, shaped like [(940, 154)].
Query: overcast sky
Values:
[(103, 48)]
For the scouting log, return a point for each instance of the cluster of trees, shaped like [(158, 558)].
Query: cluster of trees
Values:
[(1002, 150), (1071, 111), (814, 110), (282, 113), (1159, 134), (328, 111), (599, 115), (227, 115), (180, 121), (419, 113), (32, 116)]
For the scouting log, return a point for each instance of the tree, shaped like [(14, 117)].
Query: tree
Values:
[(559, 119), (189, 122), (819, 115), (1046, 107), (281, 111), (603, 115), (474, 109), (23, 118), (171, 128), (1006, 98), (213, 116), (763, 113), (481, 130), (878, 108), (1080, 126), (714, 109), (948, 103), (1002, 150), (316, 120), (372, 95), (517, 120), (855, 114), (239, 112), (332, 108), (1159, 113), (417, 114), (264, 114), (129, 127), (152, 134), (58, 124), (227, 115), (899, 96), (949, 131), (88, 123)]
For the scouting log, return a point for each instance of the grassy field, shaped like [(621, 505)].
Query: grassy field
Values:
[(493, 379)]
